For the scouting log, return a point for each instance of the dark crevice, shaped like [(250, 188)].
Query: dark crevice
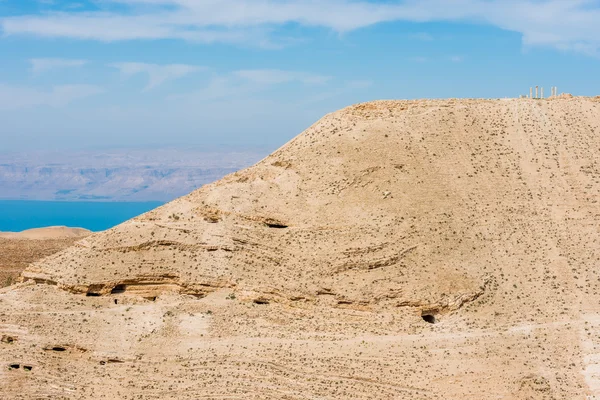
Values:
[(27, 367), (58, 348), (15, 366), (429, 318), (91, 294), (8, 339), (261, 301), (275, 225)]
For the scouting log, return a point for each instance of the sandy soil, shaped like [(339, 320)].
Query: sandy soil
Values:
[(438, 249)]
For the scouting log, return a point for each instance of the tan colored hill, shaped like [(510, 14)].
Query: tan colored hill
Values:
[(51, 232), (19, 249), (441, 249)]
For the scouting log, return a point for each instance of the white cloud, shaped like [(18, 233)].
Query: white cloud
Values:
[(157, 74), (277, 76), (245, 84), (39, 65), (563, 24), (14, 97)]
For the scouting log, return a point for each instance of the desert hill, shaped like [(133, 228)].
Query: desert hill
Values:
[(19, 249), (437, 249), (51, 232)]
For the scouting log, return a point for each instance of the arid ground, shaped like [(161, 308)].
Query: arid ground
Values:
[(18, 250), (435, 249)]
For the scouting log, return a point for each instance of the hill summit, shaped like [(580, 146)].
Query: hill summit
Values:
[(435, 249)]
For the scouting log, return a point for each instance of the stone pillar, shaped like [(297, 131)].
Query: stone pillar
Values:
[(542, 93), (531, 93), (537, 92)]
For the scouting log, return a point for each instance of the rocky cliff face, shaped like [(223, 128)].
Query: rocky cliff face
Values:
[(396, 249)]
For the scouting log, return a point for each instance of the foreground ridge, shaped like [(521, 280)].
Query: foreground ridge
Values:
[(439, 249)]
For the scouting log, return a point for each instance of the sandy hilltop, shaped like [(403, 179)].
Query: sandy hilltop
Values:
[(51, 232), (434, 249), (19, 249)]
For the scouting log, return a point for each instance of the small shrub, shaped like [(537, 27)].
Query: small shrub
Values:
[(8, 281)]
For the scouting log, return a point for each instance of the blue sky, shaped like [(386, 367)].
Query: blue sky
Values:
[(113, 73)]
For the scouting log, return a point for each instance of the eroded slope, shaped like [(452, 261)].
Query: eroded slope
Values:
[(396, 249)]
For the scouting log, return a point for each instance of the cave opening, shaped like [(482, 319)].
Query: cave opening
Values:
[(429, 318), (118, 289)]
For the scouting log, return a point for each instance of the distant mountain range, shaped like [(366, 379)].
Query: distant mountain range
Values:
[(117, 175)]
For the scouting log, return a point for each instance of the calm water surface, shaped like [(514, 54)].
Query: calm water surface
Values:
[(18, 215)]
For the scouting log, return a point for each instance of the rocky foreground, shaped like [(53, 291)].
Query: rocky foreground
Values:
[(441, 249)]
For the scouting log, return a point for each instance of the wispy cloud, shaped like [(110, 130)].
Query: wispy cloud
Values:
[(563, 24), (249, 82), (277, 76), (157, 74), (39, 65), (14, 97)]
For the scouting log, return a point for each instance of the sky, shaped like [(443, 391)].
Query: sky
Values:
[(255, 73)]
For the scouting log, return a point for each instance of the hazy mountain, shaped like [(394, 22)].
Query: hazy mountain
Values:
[(121, 174)]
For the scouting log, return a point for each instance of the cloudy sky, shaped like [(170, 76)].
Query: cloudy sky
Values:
[(110, 73)]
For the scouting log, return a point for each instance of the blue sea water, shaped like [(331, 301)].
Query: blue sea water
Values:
[(18, 215)]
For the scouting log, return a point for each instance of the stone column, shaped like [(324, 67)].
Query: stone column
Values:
[(542, 94), (531, 93), (537, 92)]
